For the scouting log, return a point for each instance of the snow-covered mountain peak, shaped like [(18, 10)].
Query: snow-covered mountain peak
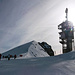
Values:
[(28, 50), (35, 50)]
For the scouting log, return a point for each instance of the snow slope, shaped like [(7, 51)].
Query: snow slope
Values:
[(42, 65), (29, 50), (35, 50), (18, 50), (57, 65)]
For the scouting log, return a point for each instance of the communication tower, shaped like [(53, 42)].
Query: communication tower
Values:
[(67, 34)]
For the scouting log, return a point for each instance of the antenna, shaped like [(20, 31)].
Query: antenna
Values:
[(66, 34), (66, 11)]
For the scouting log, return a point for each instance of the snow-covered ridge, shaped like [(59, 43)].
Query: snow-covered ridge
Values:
[(18, 50), (29, 50)]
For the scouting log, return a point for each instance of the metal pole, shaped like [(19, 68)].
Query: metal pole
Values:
[(66, 11)]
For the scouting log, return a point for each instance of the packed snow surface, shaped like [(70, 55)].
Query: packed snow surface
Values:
[(56, 65)]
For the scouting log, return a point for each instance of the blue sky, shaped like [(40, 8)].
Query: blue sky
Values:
[(22, 21)]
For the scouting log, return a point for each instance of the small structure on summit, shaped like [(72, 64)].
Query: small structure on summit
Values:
[(47, 48), (66, 34)]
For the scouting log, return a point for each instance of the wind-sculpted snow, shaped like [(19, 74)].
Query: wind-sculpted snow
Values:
[(56, 65)]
